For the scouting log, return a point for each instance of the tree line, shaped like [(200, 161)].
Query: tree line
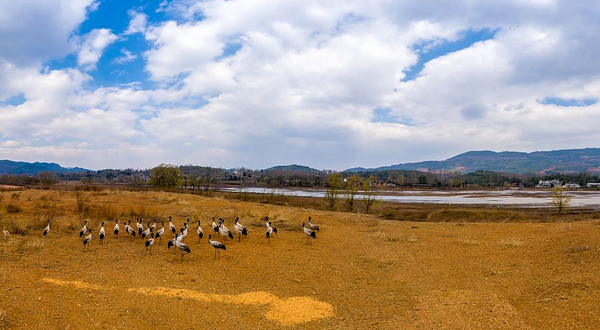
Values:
[(203, 178)]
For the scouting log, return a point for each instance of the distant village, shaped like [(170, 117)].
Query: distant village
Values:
[(568, 185)]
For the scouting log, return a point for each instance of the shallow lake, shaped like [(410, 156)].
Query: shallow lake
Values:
[(516, 197)]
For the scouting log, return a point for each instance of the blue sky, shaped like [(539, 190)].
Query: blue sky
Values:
[(115, 15), (432, 49), (332, 85)]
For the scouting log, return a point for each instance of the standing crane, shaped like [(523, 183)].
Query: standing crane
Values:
[(240, 229), (87, 240), (47, 230), (200, 231), (217, 246), (83, 230), (116, 229), (102, 233), (309, 233)]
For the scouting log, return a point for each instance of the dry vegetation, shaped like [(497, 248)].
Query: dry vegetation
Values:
[(361, 272)]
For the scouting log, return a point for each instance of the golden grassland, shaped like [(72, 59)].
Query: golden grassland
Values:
[(361, 271)]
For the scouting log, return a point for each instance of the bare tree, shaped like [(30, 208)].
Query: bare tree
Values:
[(560, 200), (368, 192), (206, 181), (334, 185), (47, 178), (353, 184)]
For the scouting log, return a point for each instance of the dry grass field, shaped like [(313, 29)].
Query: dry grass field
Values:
[(361, 272)]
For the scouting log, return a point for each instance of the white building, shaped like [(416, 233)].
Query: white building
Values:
[(549, 184)]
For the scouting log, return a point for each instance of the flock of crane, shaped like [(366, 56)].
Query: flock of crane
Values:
[(151, 234)]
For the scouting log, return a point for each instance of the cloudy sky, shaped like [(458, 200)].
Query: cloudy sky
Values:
[(330, 84)]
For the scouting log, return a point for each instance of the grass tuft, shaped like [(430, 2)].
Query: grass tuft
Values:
[(4, 325), (577, 249), (512, 242), (467, 241)]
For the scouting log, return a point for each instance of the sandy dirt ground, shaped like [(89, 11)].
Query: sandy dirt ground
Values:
[(359, 273)]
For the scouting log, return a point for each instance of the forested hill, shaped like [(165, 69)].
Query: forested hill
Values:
[(12, 167), (538, 162), (293, 168)]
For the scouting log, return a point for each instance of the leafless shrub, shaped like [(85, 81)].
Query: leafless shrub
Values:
[(15, 227), (81, 206), (106, 212), (140, 212), (33, 244), (577, 249), (12, 208)]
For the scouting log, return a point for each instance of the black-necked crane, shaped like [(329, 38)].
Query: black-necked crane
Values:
[(149, 243), (240, 229), (6, 233), (116, 229), (146, 232), (153, 227), (87, 240), (309, 233), (102, 233), (215, 226), (200, 232), (83, 230), (129, 230), (224, 231), (172, 242), (172, 227), (184, 230), (160, 232), (217, 246), (313, 227), (270, 231), (47, 230), (181, 236), (139, 225), (183, 248), (267, 222)]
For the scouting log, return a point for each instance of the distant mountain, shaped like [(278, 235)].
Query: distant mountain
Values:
[(293, 168), (357, 169), (11, 167), (538, 162)]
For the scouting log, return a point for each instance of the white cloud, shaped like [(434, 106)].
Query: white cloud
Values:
[(137, 24), (304, 70), (257, 83), (32, 31), (91, 47), (126, 57)]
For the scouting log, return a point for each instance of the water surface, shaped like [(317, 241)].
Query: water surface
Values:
[(524, 198)]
